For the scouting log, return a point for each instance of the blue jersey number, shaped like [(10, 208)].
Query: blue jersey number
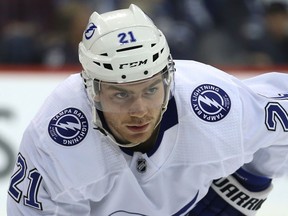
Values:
[(30, 199), (126, 37), (274, 112)]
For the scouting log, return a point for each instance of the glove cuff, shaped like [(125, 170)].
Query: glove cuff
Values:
[(251, 181)]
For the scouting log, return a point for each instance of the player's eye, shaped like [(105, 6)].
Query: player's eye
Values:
[(121, 95), (151, 91)]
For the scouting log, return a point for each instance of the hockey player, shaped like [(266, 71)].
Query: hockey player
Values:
[(130, 135)]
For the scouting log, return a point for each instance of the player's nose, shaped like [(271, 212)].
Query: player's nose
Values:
[(138, 108)]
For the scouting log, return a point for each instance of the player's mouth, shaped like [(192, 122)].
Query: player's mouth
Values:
[(138, 128)]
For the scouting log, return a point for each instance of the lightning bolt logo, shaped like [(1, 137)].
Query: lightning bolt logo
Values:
[(210, 102), (90, 30), (69, 125)]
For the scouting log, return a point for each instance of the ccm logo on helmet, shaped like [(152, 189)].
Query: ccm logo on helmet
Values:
[(133, 64)]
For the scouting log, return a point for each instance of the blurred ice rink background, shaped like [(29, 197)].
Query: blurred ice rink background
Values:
[(228, 33)]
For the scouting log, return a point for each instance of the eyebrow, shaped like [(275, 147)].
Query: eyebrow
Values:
[(114, 87)]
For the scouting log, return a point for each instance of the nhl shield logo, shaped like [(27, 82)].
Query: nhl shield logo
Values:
[(69, 127), (141, 165), (210, 103)]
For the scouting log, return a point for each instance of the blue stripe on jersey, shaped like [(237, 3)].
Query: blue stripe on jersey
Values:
[(186, 207)]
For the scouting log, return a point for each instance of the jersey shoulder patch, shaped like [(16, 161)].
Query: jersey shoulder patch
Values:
[(68, 127), (210, 103)]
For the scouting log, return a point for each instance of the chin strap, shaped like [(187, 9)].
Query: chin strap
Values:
[(99, 126)]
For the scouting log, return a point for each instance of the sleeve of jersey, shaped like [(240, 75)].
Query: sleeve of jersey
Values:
[(239, 194), (33, 185), (264, 100)]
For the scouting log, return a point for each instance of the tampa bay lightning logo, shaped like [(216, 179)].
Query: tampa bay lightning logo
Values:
[(69, 127), (89, 32), (210, 102)]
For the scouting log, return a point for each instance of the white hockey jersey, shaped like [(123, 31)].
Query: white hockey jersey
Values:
[(214, 124)]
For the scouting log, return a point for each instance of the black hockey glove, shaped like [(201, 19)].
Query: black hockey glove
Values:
[(239, 194)]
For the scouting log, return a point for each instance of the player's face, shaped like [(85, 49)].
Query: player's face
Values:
[(132, 110)]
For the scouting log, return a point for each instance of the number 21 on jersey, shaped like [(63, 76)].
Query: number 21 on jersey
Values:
[(30, 199), (274, 111)]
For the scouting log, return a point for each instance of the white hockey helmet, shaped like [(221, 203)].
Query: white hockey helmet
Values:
[(123, 46)]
